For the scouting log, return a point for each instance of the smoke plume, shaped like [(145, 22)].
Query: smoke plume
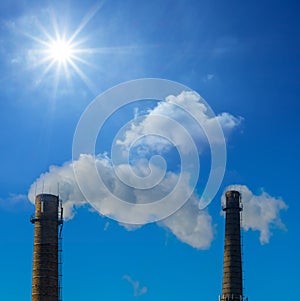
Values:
[(189, 224), (260, 212)]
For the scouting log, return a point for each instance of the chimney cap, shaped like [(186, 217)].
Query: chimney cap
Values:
[(232, 193), (233, 200), (40, 195)]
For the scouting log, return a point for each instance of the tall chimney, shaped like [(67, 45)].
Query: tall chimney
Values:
[(47, 225), (232, 286)]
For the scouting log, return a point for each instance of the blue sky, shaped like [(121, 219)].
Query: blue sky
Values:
[(241, 57)]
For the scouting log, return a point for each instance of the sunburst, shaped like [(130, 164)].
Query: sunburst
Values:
[(60, 53)]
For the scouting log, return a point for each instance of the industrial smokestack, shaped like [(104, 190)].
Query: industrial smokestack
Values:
[(46, 255), (232, 286)]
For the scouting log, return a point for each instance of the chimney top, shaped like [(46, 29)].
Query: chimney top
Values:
[(233, 200)]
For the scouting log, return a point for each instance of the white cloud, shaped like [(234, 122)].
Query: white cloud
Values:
[(172, 108), (138, 290), (260, 212), (68, 189), (210, 76), (189, 224), (106, 226), (225, 45)]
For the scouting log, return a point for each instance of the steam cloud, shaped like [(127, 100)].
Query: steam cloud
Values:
[(260, 212), (189, 224), (171, 109)]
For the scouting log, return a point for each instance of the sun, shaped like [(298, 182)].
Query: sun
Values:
[(61, 55), (61, 51)]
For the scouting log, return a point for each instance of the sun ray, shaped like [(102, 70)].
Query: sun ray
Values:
[(84, 78), (65, 53), (54, 51), (86, 20), (83, 61), (45, 72)]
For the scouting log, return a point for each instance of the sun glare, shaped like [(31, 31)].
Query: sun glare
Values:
[(60, 51)]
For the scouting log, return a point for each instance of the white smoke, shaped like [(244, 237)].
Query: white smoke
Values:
[(171, 108), (68, 189), (260, 212), (189, 224)]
